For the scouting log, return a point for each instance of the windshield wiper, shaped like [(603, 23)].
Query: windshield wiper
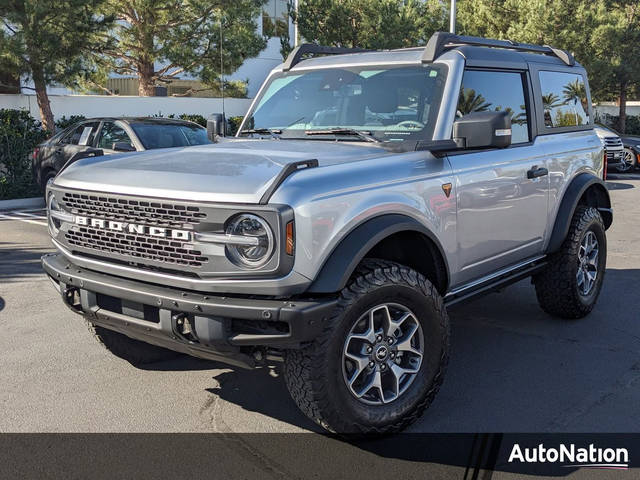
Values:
[(344, 131), (274, 132)]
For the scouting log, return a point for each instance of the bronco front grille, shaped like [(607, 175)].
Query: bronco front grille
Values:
[(143, 247), (146, 212)]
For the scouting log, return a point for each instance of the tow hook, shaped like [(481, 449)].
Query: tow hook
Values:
[(184, 327), (71, 296)]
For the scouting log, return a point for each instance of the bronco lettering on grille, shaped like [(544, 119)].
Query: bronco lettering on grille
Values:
[(161, 232)]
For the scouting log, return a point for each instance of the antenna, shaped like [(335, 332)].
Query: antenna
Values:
[(222, 67), (452, 17)]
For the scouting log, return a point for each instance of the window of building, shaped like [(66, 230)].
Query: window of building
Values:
[(484, 91), (275, 21), (564, 99)]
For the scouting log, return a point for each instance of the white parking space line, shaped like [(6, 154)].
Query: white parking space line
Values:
[(24, 214), (20, 219)]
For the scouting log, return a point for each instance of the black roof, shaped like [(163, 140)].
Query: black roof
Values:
[(478, 50), (501, 58)]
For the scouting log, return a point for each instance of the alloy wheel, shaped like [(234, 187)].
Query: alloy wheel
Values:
[(382, 354), (587, 263)]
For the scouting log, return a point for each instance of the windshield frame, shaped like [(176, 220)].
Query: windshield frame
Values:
[(426, 133)]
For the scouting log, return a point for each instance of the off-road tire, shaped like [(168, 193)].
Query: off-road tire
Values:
[(557, 286), (133, 351), (314, 374)]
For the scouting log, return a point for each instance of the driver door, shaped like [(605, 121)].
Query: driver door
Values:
[(502, 214)]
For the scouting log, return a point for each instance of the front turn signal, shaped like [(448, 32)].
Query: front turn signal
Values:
[(290, 241)]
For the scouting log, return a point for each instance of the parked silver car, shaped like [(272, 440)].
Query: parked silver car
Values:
[(364, 193)]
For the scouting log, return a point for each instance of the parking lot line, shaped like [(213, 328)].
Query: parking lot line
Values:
[(24, 214), (19, 219)]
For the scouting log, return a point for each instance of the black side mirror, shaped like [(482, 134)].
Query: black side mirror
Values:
[(216, 126), (123, 147), (89, 152), (483, 130)]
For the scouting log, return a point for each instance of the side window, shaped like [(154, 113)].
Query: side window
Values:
[(112, 134), (83, 134), (564, 99), (498, 91)]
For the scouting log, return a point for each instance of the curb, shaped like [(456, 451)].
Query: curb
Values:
[(34, 202)]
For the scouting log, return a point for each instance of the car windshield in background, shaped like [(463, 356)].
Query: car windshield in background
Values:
[(169, 135), (392, 104)]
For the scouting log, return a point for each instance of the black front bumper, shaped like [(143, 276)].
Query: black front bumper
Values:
[(228, 329)]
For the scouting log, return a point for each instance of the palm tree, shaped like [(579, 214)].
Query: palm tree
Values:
[(550, 101), (470, 102), (575, 92)]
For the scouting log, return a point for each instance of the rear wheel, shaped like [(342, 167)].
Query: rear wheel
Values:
[(628, 161), (570, 285), (133, 351), (380, 360)]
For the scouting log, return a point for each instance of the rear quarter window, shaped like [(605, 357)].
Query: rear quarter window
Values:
[(564, 99)]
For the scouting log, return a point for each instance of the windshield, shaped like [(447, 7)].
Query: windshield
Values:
[(169, 135), (391, 104)]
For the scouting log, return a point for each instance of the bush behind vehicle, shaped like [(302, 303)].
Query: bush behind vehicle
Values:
[(19, 134)]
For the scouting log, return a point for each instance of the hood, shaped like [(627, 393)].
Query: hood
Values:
[(233, 171)]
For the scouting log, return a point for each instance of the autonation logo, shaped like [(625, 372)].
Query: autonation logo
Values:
[(572, 456)]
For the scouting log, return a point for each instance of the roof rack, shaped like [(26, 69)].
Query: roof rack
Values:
[(312, 48), (441, 41)]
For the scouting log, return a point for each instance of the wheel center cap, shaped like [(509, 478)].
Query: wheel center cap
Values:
[(382, 352)]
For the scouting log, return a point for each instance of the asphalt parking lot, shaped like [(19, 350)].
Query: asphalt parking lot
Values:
[(512, 368)]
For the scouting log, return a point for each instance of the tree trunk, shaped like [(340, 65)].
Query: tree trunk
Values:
[(622, 115), (146, 86), (46, 115)]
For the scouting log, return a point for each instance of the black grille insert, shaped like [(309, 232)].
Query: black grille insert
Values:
[(130, 210), (137, 246)]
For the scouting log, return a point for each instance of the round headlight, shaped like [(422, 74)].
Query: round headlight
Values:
[(52, 206), (254, 243)]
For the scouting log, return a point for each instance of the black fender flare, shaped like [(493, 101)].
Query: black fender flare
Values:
[(345, 257), (572, 196)]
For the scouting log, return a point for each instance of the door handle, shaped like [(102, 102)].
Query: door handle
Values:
[(536, 172)]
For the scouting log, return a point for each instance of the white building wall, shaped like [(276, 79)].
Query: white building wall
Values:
[(122, 106)]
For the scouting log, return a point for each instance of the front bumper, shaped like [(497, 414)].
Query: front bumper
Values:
[(227, 329)]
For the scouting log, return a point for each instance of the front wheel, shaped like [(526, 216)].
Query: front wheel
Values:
[(570, 284), (380, 360)]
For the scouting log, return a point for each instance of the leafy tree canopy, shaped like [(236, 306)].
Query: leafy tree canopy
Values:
[(158, 40), (49, 41), (372, 24)]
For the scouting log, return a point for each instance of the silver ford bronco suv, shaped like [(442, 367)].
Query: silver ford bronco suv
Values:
[(364, 193)]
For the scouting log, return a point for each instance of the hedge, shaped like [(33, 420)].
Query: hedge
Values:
[(632, 125), (19, 135)]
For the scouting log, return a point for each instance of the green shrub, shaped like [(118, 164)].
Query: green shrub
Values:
[(64, 122), (234, 124), (195, 118), (19, 135), (632, 123)]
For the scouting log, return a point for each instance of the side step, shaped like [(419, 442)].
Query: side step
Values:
[(495, 283)]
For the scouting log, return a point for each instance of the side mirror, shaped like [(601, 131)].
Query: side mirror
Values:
[(123, 147), (483, 130), (216, 126), (89, 152)]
